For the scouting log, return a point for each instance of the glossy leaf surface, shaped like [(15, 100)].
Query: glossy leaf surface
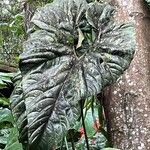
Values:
[(77, 51)]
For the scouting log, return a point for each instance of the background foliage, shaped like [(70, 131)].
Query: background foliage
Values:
[(8, 130), (11, 31), (12, 28)]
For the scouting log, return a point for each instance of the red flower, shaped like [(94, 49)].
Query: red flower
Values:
[(81, 130)]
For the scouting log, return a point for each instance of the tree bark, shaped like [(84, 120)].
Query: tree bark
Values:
[(129, 98), (29, 8), (7, 67)]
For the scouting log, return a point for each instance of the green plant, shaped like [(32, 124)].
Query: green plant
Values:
[(12, 31), (5, 83), (8, 130), (94, 129), (76, 52)]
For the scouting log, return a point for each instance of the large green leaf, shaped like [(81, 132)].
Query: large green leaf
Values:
[(77, 51), (5, 78)]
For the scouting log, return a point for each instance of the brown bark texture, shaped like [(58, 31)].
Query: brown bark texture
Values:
[(7, 67), (129, 98)]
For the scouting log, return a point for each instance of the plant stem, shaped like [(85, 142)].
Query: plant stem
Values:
[(72, 144), (83, 123), (66, 144)]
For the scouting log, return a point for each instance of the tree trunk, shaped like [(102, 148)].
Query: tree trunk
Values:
[(29, 8), (129, 98)]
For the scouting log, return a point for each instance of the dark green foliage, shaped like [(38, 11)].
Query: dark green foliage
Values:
[(12, 140), (76, 52), (5, 125), (8, 130), (5, 88)]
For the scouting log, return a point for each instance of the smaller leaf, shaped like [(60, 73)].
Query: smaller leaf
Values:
[(4, 79), (6, 116), (4, 26), (7, 75), (19, 17), (4, 133), (12, 142), (4, 102), (6, 122), (80, 39)]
